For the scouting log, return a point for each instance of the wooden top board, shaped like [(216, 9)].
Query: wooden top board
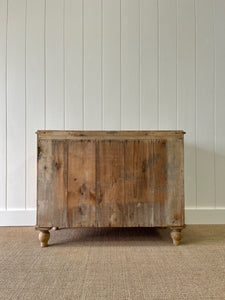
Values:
[(103, 134)]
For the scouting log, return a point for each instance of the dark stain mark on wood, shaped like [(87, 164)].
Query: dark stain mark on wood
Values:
[(144, 165), (57, 165), (110, 182), (83, 189), (39, 152), (100, 196), (81, 211), (153, 158)]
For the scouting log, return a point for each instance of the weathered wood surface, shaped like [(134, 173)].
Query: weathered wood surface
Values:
[(104, 134), (52, 184), (105, 182), (81, 183), (138, 183), (110, 183)]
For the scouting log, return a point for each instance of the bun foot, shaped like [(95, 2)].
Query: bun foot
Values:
[(176, 235), (44, 236)]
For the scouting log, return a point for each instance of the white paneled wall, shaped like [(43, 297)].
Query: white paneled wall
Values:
[(113, 64)]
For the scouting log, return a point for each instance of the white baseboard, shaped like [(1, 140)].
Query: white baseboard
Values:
[(192, 216), (204, 216), (18, 217)]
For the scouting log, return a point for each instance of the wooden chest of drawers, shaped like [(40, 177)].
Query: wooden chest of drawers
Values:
[(110, 179)]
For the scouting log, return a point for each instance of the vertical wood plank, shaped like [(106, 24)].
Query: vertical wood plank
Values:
[(35, 94), (205, 103), (52, 184), (219, 19), (73, 65), (148, 64), (92, 65), (160, 180), (3, 100), (167, 64), (81, 183), (110, 184), (138, 183), (55, 64), (130, 64), (111, 64), (186, 93), (16, 104), (175, 175)]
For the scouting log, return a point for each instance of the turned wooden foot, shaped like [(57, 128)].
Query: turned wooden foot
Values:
[(44, 236), (176, 235)]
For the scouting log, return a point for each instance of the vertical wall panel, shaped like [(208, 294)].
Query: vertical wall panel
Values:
[(186, 92), (149, 64), (205, 103), (111, 64), (73, 64), (92, 64), (55, 100), (130, 64), (35, 94), (168, 64), (16, 102), (3, 101), (219, 19)]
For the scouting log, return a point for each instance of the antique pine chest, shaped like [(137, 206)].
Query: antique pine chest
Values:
[(110, 179)]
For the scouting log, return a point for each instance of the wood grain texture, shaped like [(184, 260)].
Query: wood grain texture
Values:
[(81, 183), (110, 183), (80, 134), (105, 182), (138, 183), (161, 178), (52, 184), (175, 182)]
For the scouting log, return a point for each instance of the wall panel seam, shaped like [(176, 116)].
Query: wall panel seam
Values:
[(196, 124), (158, 67), (121, 125), (214, 106), (25, 104), (83, 85), (45, 16), (102, 77), (177, 23), (64, 67), (6, 102), (140, 95)]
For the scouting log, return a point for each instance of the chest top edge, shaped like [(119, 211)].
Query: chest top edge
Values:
[(109, 134)]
